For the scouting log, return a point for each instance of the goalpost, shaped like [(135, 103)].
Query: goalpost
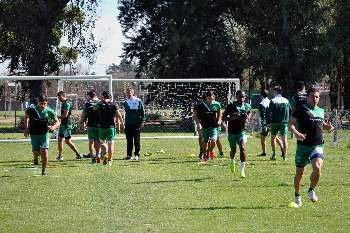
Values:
[(168, 102)]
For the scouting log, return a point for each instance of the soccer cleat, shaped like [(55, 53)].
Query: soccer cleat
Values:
[(93, 160), (36, 164), (127, 158), (312, 196), (43, 173), (105, 160), (137, 158), (212, 155), (233, 166), (221, 154), (109, 163), (298, 201), (205, 157), (78, 156), (242, 173), (273, 157), (262, 154), (284, 158), (59, 158)]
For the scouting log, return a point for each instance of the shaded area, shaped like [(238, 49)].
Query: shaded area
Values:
[(174, 181)]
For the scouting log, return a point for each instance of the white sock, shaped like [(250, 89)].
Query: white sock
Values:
[(242, 165)]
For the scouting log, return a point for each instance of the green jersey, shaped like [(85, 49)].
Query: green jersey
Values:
[(207, 113), (263, 111), (237, 125), (39, 119), (134, 112), (310, 122), (66, 106), (279, 110)]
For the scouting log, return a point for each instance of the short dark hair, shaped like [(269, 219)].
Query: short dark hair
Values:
[(61, 93), (209, 93), (106, 95), (300, 85), (278, 89), (239, 93), (264, 93), (312, 89), (91, 93), (42, 98)]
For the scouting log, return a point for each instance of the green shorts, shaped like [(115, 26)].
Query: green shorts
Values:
[(209, 133), (93, 133), (107, 134), (40, 141), (279, 127), (235, 139), (65, 131), (264, 131), (305, 154)]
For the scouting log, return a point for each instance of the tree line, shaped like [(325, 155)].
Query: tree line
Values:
[(275, 41)]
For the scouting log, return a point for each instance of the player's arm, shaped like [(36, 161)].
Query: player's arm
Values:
[(83, 118), (143, 115), (196, 120), (328, 126), (55, 125), (292, 127), (120, 120), (26, 125), (64, 115), (219, 117)]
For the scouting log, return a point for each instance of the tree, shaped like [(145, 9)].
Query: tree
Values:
[(31, 31), (178, 39), (284, 39)]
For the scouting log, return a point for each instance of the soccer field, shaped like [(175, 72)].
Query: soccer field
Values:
[(169, 192)]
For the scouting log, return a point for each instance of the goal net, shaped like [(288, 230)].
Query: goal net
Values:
[(168, 102)]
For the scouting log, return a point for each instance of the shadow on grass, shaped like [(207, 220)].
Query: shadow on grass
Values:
[(174, 181), (5, 176), (213, 208)]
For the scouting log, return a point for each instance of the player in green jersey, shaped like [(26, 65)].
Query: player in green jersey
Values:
[(65, 130), (38, 120), (263, 114), (109, 116), (237, 114), (279, 112), (207, 116), (309, 134), (91, 123)]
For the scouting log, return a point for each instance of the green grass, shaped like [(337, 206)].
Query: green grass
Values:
[(169, 192)]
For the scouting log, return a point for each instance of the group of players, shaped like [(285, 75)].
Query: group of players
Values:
[(100, 118), (301, 115)]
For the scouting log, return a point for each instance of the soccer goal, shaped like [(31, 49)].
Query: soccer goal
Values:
[(168, 102)]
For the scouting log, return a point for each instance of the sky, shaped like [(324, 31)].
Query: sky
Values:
[(109, 33)]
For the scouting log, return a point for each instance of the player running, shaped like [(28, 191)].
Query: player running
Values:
[(37, 124), (279, 112), (310, 121), (263, 114), (237, 114), (207, 116), (109, 116), (91, 122), (65, 130)]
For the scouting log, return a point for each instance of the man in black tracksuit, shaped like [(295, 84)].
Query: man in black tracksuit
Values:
[(134, 121)]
